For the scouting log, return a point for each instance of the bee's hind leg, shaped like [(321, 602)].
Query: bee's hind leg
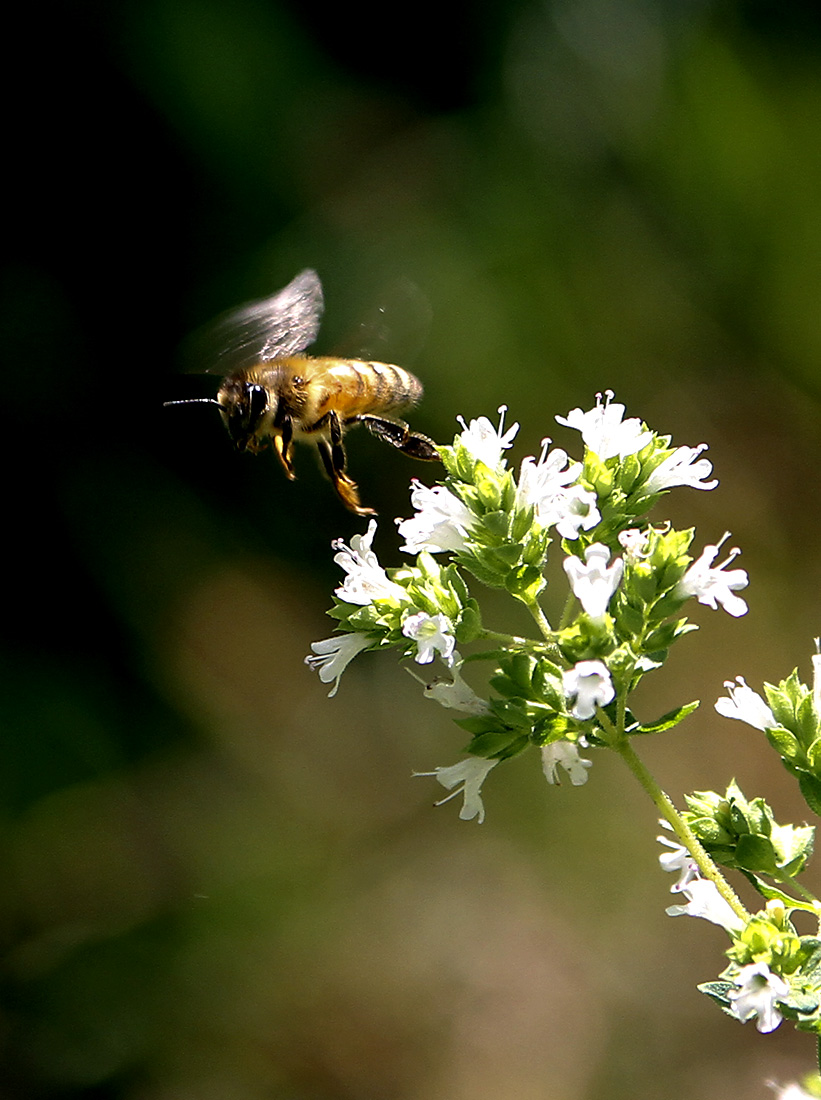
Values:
[(333, 458), (400, 436)]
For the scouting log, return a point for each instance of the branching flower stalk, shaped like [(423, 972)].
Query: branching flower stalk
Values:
[(568, 691)]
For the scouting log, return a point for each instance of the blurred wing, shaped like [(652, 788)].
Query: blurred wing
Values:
[(394, 331), (284, 324)]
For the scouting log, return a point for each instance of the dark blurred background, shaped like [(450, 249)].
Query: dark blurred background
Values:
[(218, 883)]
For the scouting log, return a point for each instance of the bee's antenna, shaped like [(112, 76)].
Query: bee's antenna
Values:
[(194, 401)]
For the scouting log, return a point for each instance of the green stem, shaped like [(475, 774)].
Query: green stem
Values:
[(668, 811), (792, 884), (506, 639), (541, 621)]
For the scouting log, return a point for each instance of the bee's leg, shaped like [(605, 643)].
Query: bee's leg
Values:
[(284, 448), (400, 436), (333, 458)]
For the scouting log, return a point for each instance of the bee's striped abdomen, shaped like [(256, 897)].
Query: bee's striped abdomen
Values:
[(355, 387)]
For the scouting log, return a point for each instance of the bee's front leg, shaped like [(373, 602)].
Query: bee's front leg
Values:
[(333, 458), (400, 436), (284, 448)]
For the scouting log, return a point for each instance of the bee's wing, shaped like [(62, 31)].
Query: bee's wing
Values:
[(394, 330), (284, 324)]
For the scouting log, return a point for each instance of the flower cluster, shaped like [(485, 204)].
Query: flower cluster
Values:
[(420, 610), (790, 718), (628, 579), (586, 523)]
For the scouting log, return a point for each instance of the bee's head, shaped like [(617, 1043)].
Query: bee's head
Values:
[(245, 409)]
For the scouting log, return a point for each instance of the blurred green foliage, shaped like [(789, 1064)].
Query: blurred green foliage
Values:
[(220, 884)]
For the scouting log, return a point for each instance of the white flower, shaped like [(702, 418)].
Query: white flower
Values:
[(577, 511), (816, 677), (564, 754), (367, 580), (705, 901), (467, 777), (759, 990), (441, 521), (542, 484), (589, 683), (793, 1091), (635, 543), (679, 859), (593, 581), (332, 656), (681, 468), (546, 487), (603, 430), (746, 705), (484, 442), (714, 586), (455, 693), (431, 633)]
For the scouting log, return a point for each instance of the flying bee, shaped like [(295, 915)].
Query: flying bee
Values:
[(273, 393)]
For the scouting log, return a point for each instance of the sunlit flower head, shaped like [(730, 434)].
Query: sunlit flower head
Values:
[(332, 656), (366, 580), (682, 467), (706, 902), (605, 432), (432, 634), (543, 481), (635, 544), (759, 990), (678, 859), (564, 754), (455, 693), (714, 585), (486, 443), (746, 705), (793, 1091), (467, 778), (577, 510), (590, 685), (594, 581), (441, 521)]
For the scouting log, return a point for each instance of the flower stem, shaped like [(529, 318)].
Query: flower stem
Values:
[(680, 827), (793, 884), (541, 620), (506, 639)]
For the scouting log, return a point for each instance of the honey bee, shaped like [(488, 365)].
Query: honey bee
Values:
[(273, 393)]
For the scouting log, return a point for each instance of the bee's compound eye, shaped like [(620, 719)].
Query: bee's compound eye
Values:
[(257, 405)]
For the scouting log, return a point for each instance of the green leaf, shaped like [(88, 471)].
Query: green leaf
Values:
[(811, 790), (783, 742), (719, 991), (501, 743), (755, 854), (525, 583), (483, 570), (814, 756), (554, 727), (793, 845), (629, 618), (667, 721), (773, 893), (506, 556), (496, 523)]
